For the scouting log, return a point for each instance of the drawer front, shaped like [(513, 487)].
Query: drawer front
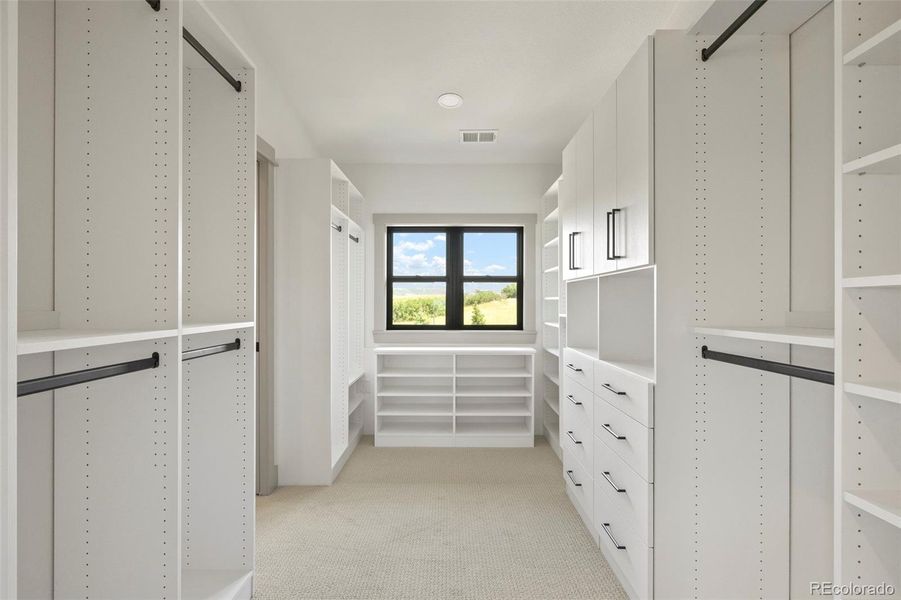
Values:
[(625, 490), (632, 556), (577, 402), (579, 367), (577, 435), (580, 485), (632, 441), (631, 394)]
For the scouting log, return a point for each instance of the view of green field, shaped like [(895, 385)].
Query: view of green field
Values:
[(480, 308)]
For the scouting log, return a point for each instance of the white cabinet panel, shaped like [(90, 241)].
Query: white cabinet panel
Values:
[(632, 222), (605, 160), (583, 241), (568, 209)]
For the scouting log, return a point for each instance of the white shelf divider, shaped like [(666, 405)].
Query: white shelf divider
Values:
[(889, 392), (799, 336), (54, 340), (884, 48), (882, 504)]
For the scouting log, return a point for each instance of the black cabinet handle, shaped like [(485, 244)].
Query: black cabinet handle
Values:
[(606, 475), (572, 437), (608, 387), (569, 238), (573, 252), (606, 427), (571, 478), (611, 235), (573, 367), (616, 544)]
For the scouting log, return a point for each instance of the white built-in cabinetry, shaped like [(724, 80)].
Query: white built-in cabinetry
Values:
[(320, 261), (868, 293), (553, 301), (454, 396), (140, 485), (606, 193)]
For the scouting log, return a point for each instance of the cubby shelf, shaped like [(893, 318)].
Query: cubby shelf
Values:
[(493, 409), (54, 340), (491, 429), (412, 408), (883, 162), (416, 373), (882, 504), (888, 392), (214, 584), (552, 242), (554, 378), (196, 328), (799, 336), (413, 428), (487, 391), (552, 215), (355, 402), (884, 48), (553, 404), (416, 391), (873, 281), (493, 373), (553, 351), (644, 369)]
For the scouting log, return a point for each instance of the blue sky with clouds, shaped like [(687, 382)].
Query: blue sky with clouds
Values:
[(484, 253)]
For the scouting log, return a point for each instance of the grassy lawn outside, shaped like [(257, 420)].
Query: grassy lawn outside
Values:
[(497, 312)]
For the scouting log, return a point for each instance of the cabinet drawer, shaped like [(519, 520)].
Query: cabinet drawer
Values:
[(624, 490), (577, 435), (632, 441), (579, 402), (631, 394), (580, 485), (579, 367), (632, 556)]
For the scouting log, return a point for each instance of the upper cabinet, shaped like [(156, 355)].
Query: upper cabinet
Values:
[(606, 196), (632, 224)]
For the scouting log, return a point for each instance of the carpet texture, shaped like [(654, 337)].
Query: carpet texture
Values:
[(431, 523)]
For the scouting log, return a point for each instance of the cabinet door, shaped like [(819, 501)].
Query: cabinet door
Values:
[(604, 180), (568, 209), (632, 225), (584, 238)]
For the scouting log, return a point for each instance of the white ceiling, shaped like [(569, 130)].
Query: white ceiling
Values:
[(364, 76)]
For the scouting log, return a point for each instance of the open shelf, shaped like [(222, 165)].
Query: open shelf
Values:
[(416, 391), (553, 269), (54, 340), (411, 408), (413, 427), (874, 281), (488, 391), (489, 372), (483, 428), (553, 404), (553, 437), (356, 400), (889, 392), (355, 377), (550, 324), (553, 351), (493, 409), (644, 369), (553, 378), (884, 48), (882, 504), (552, 215), (799, 336), (195, 328), (552, 242), (883, 162), (213, 584), (395, 372)]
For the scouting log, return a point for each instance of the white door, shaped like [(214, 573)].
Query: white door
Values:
[(632, 224), (568, 210), (605, 161), (583, 241)]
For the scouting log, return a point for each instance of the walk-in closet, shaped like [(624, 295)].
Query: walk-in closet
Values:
[(421, 300)]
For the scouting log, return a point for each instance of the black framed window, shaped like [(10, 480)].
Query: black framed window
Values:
[(454, 278)]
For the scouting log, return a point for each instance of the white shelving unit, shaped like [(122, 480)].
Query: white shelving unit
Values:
[(867, 501), (454, 396), (144, 244), (798, 336), (321, 243), (552, 300)]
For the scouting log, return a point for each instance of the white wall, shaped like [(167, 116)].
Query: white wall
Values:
[(278, 120), (463, 189)]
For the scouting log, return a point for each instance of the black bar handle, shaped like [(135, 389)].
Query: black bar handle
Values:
[(607, 239), (736, 24), (55, 382), (210, 59), (573, 479), (818, 375), (569, 237), (154, 4), (610, 388), (574, 266), (616, 544), (353, 238), (611, 235), (210, 350)]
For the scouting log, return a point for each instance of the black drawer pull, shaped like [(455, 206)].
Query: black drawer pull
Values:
[(570, 474), (616, 544), (606, 427), (573, 367), (608, 387), (606, 475), (573, 400), (570, 434)]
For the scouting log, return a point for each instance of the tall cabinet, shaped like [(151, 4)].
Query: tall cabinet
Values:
[(319, 276), (868, 294), (139, 261)]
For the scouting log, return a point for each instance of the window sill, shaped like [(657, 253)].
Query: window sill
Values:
[(453, 336)]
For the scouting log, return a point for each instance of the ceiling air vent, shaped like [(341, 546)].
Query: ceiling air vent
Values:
[(478, 136)]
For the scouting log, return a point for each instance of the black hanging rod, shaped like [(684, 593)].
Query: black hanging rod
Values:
[(771, 366), (210, 350), (736, 24), (337, 228), (155, 5), (54, 382), (355, 239)]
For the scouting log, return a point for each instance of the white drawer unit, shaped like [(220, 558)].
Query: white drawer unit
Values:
[(626, 391), (579, 400), (579, 367), (580, 487), (620, 487), (622, 543), (632, 441), (577, 434)]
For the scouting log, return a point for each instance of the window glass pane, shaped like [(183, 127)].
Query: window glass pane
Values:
[(419, 253), (419, 303), (489, 303), (489, 254)]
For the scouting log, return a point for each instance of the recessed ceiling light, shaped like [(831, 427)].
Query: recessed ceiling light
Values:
[(450, 100)]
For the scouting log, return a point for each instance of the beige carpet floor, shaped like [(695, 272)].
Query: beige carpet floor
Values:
[(423, 523)]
